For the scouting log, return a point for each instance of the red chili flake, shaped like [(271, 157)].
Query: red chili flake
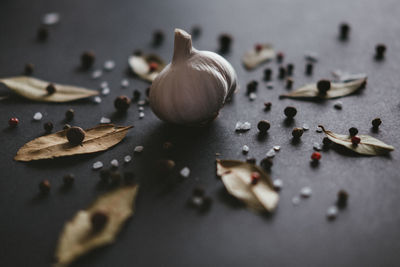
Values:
[(316, 156), (255, 177), (13, 122), (355, 140), (153, 66), (258, 47)]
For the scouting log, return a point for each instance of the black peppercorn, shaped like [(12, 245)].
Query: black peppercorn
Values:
[(289, 83), (376, 122), (252, 87), (353, 131), (158, 37), (380, 50), (196, 31), (165, 165), (75, 135), (326, 141), (68, 179), (198, 191), (44, 187), (267, 74), (29, 68), (342, 198), (251, 160), (122, 103), (309, 68), (289, 69), (69, 114), (280, 56), (263, 126), (267, 105), (266, 164), (323, 86), (290, 112), (48, 127), (282, 72), (297, 133), (225, 41), (42, 33), (51, 89), (99, 220), (87, 59), (136, 95), (344, 30)]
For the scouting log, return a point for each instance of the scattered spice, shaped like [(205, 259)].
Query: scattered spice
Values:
[(99, 220), (75, 135), (255, 177), (290, 112), (242, 126), (353, 131), (326, 141), (185, 172), (289, 69), (245, 149), (69, 114), (29, 68), (376, 123), (263, 126), (122, 103), (158, 37), (225, 41), (127, 158), (279, 57), (297, 133), (331, 213), (266, 164), (355, 140), (306, 191), (338, 105), (271, 153), (323, 86), (165, 165), (136, 95), (380, 50), (342, 197), (87, 59), (344, 30), (44, 187), (277, 183), (282, 72), (289, 83), (114, 163), (153, 66), (37, 116), (48, 127), (138, 149), (97, 165), (252, 87), (316, 156), (13, 122), (267, 74), (196, 31), (267, 106), (42, 33), (309, 68), (68, 179), (109, 65), (51, 89)]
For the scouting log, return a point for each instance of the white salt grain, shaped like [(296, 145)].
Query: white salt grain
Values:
[(124, 83), (185, 172), (97, 99), (331, 213), (138, 149), (127, 158), (105, 91), (51, 18), (242, 126), (97, 74), (338, 105), (141, 115), (277, 183), (277, 148), (105, 120), (245, 149), (37, 116), (104, 84), (317, 146), (114, 163), (295, 200), (109, 65), (271, 153), (252, 96), (97, 165), (306, 127), (306, 192)]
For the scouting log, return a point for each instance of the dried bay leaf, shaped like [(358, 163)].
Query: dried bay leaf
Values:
[(236, 176), (78, 237), (337, 90), (258, 55), (368, 145), (35, 89), (56, 145), (140, 65)]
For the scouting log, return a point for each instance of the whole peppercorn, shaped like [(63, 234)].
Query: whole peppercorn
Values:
[(309, 68), (323, 86), (263, 126), (353, 131), (13, 122), (297, 133), (380, 50), (280, 56), (198, 191), (290, 68), (282, 72), (344, 30), (315, 156), (48, 127), (267, 105), (51, 89), (355, 140), (69, 114), (290, 112), (252, 87), (196, 31), (99, 220), (255, 177), (87, 59), (376, 122), (75, 135), (267, 74), (68, 179), (44, 187), (342, 197), (225, 41), (122, 103), (289, 83), (258, 47), (42, 33), (29, 68), (266, 164), (326, 141), (158, 37), (165, 165), (251, 160), (136, 95)]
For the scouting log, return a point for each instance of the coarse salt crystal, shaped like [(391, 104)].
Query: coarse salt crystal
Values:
[(105, 120), (37, 116), (114, 163), (185, 172), (306, 192), (97, 165), (138, 149), (109, 65), (127, 158)]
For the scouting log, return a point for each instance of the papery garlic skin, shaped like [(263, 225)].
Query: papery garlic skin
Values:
[(194, 86)]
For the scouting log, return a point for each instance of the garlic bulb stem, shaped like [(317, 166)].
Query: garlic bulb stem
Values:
[(182, 46)]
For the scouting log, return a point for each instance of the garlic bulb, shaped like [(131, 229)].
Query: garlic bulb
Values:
[(194, 86)]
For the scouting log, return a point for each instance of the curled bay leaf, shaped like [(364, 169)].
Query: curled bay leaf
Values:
[(367, 146), (56, 145), (236, 176), (78, 236), (258, 55), (337, 90), (35, 89), (146, 67)]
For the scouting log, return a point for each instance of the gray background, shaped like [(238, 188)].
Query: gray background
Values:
[(164, 231)]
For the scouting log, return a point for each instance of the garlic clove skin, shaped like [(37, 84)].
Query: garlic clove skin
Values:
[(194, 86)]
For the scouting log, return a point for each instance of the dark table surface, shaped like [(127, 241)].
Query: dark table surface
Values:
[(164, 231)]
